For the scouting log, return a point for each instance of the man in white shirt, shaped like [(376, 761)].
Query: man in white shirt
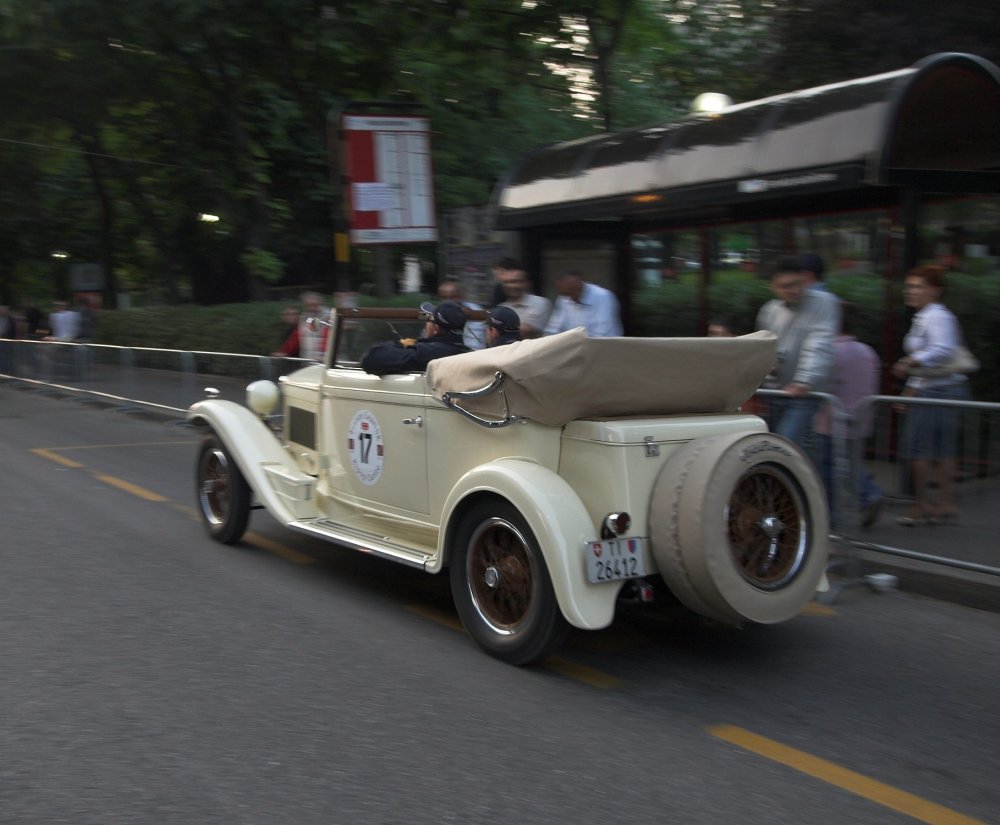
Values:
[(64, 323), (582, 304), (533, 310)]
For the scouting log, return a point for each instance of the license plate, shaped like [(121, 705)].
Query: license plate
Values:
[(610, 560)]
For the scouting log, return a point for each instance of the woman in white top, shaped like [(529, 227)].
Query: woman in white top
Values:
[(931, 433)]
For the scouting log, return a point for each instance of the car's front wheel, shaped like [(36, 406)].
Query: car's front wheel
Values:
[(501, 586), (223, 493)]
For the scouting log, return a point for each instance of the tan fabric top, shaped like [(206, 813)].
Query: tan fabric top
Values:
[(562, 377)]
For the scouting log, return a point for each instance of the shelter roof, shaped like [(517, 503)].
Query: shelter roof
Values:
[(934, 126)]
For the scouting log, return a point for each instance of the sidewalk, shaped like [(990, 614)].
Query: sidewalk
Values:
[(974, 540)]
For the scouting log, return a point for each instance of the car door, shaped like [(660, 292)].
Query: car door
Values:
[(374, 436)]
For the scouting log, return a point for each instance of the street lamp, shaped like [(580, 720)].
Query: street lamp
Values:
[(710, 103)]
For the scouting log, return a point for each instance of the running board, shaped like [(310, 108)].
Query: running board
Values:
[(363, 541)]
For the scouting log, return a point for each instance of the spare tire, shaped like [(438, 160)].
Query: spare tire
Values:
[(739, 527)]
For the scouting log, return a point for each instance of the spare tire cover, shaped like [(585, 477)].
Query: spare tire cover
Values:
[(739, 527)]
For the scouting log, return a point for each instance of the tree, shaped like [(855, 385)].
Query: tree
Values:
[(825, 43)]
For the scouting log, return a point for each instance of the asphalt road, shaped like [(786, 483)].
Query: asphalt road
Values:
[(150, 675)]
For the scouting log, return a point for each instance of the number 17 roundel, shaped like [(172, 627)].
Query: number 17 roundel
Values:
[(364, 443)]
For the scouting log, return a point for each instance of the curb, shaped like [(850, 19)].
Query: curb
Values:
[(938, 581)]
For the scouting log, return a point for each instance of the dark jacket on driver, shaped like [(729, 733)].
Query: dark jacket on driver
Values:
[(395, 357)]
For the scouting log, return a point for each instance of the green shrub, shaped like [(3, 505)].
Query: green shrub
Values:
[(253, 329), (671, 309)]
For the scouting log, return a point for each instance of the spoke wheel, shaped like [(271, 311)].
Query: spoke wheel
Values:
[(739, 527), (223, 493), (499, 569), (501, 586), (768, 529)]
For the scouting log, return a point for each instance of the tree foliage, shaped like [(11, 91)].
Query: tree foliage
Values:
[(821, 42), (125, 122)]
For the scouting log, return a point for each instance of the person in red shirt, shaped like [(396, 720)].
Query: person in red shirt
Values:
[(305, 340)]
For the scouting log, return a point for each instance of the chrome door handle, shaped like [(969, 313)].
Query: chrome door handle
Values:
[(419, 421)]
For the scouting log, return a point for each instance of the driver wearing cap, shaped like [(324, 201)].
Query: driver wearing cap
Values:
[(442, 337)]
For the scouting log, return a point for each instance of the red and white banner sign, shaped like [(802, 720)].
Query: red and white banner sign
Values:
[(390, 185)]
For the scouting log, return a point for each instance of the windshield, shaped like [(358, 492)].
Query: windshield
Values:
[(358, 334)]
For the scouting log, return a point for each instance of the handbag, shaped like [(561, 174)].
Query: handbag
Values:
[(962, 361)]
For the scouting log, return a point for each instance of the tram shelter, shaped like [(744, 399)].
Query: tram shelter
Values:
[(875, 174)]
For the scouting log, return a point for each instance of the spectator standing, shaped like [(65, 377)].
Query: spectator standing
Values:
[(64, 323), (931, 433), (582, 304), (532, 310), (290, 317), (474, 335), (305, 340), (501, 269), (442, 337), (805, 323), (723, 326), (34, 328), (8, 325), (86, 331), (813, 269), (8, 329), (857, 372), (726, 326), (503, 326)]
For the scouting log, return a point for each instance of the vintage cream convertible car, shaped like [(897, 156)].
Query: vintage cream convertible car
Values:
[(550, 477)]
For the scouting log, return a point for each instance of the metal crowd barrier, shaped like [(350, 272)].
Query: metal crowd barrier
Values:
[(969, 545), (976, 482), (168, 381), (136, 378)]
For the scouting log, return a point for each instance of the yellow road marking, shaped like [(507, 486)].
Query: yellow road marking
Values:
[(848, 780), (817, 609), (437, 616), (187, 510), (58, 459), (128, 444), (278, 549), (128, 487), (574, 670), (582, 673), (121, 484)]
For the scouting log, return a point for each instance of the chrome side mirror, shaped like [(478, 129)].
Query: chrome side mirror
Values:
[(313, 323)]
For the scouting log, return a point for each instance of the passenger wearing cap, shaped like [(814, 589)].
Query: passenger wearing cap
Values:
[(503, 326), (442, 337)]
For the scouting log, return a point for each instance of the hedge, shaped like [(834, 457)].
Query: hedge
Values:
[(669, 309)]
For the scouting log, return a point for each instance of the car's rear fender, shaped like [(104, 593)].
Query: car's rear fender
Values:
[(277, 483), (559, 521)]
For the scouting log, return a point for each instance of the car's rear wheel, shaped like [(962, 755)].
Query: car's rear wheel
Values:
[(739, 527), (223, 493), (501, 585)]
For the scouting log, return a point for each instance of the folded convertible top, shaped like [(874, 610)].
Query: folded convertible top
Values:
[(557, 379)]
